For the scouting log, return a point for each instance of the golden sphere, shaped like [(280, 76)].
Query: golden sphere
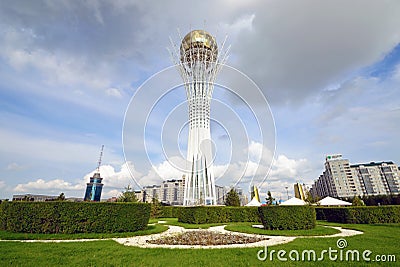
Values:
[(197, 40)]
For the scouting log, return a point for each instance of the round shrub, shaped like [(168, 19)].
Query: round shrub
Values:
[(287, 217), (218, 214)]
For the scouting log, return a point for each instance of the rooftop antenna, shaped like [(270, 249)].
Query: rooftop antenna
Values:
[(99, 162)]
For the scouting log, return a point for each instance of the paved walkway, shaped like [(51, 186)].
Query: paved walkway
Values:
[(141, 241)]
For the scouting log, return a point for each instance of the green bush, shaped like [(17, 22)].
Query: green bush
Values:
[(365, 215), (1, 214), (287, 217), (69, 217), (170, 211), (320, 213), (219, 214)]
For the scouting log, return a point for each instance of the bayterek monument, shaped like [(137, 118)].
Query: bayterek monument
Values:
[(198, 62)]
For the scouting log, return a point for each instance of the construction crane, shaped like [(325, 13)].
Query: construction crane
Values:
[(101, 155)]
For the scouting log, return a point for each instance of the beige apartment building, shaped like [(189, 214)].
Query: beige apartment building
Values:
[(340, 179)]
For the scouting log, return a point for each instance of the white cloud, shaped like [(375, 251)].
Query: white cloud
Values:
[(255, 151), (259, 153), (116, 179), (396, 75), (173, 168), (114, 182), (114, 92), (219, 170), (52, 186), (243, 23), (57, 69), (284, 172), (317, 44), (110, 193), (14, 167), (283, 167), (2, 184), (167, 171)]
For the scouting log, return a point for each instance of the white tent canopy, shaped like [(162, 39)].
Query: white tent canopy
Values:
[(293, 202), (330, 201), (253, 203)]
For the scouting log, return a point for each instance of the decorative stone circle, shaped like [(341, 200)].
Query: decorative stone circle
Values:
[(206, 238)]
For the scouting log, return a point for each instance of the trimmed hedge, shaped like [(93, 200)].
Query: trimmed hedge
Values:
[(70, 217), (320, 213), (218, 214), (1, 214), (287, 217), (362, 215), (170, 211)]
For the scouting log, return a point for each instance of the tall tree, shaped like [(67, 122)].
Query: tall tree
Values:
[(270, 199), (232, 198), (61, 197), (357, 201), (310, 199), (156, 209), (128, 195)]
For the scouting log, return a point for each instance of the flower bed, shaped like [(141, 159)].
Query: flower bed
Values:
[(206, 238)]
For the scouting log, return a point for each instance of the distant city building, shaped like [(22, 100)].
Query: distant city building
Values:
[(340, 179), (220, 194), (336, 180), (378, 178), (31, 197), (171, 192), (150, 192), (242, 197), (139, 195), (112, 199), (94, 187), (299, 191), (73, 199)]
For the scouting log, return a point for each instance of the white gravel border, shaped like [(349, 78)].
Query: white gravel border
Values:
[(140, 241)]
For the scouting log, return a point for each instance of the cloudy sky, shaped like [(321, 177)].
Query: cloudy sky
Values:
[(329, 70)]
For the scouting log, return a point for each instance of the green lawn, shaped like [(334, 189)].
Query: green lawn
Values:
[(380, 239), (151, 229)]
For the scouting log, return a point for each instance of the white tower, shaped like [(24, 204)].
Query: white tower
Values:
[(198, 63)]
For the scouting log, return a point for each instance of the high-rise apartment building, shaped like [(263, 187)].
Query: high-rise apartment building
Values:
[(150, 192), (170, 192), (378, 178), (337, 180), (340, 179)]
